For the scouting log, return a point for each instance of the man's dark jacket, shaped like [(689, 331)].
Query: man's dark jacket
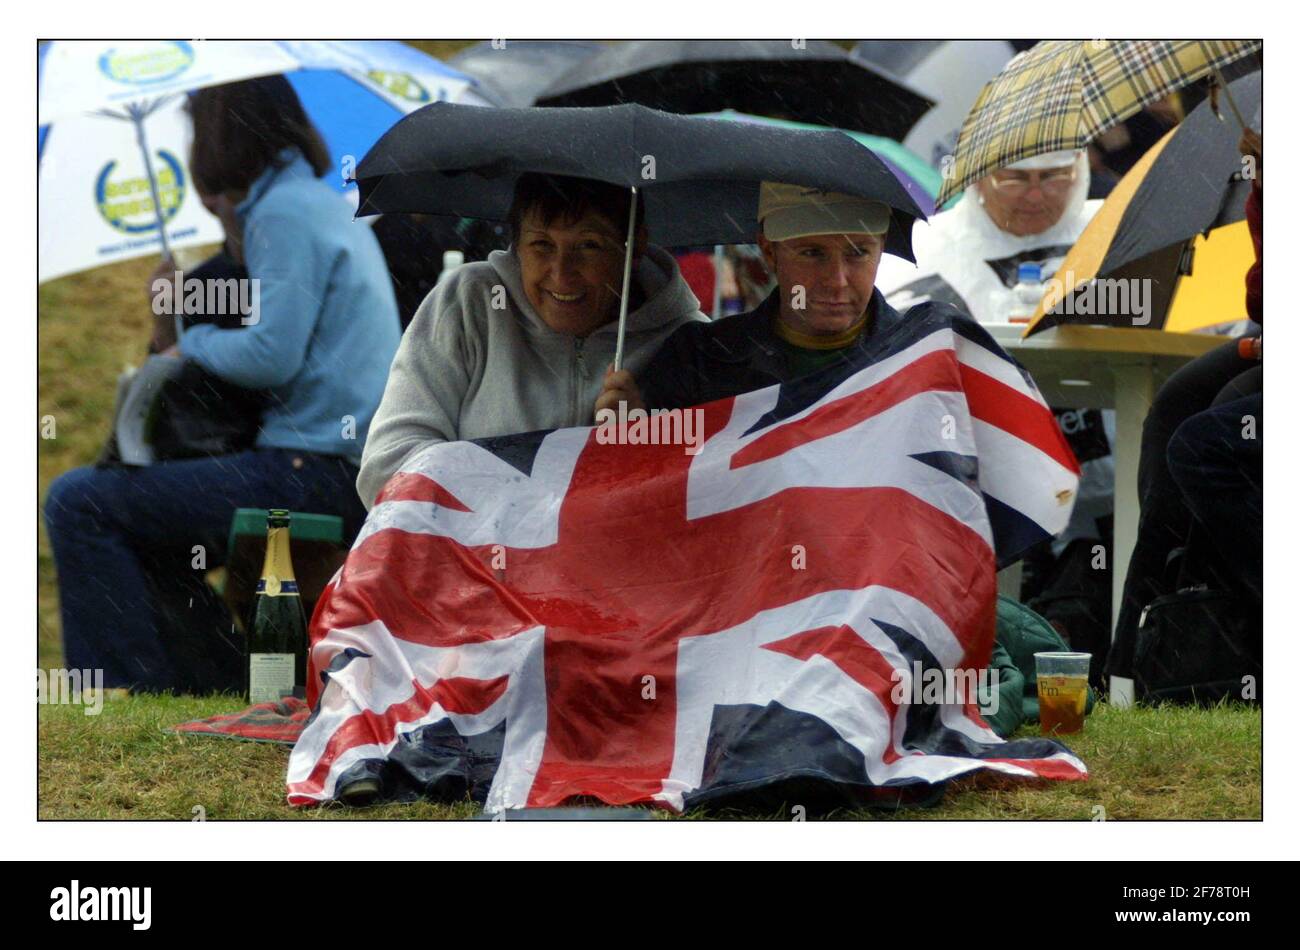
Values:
[(702, 362)]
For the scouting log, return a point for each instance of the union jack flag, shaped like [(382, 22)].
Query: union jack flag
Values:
[(542, 618)]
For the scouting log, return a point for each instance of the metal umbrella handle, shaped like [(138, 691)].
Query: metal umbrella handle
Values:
[(137, 112), (137, 118), (627, 284), (719, 262), (1227, 94)]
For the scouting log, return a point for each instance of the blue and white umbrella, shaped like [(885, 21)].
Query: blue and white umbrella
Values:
[(113, 140)]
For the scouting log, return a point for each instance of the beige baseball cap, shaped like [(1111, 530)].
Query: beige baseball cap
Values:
[(793, 211)]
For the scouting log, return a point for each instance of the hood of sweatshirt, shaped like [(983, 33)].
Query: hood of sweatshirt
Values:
[(667, 295)]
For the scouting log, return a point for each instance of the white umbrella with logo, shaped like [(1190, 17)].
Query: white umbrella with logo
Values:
[(113, 140)]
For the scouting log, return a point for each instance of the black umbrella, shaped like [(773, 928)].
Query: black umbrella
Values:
[(804, 80), (700, 176), (1195, 183), (513, 72)]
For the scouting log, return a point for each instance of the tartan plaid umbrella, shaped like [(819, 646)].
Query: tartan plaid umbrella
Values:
[(1064, 93)]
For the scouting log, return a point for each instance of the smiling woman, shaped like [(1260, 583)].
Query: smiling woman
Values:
[(521, 341), (569, 235)]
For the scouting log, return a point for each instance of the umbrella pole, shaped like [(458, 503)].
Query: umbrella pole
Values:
[(137, 119), (719, 262), (1227, 93), (627, 284), (138, 114)]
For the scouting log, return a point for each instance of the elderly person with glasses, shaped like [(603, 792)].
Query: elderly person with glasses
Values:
[(1030, 212)]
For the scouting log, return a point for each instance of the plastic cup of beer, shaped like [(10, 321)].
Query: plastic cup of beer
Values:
[(1062, 691)]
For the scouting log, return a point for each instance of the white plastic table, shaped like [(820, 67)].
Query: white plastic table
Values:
[(1108, 368)]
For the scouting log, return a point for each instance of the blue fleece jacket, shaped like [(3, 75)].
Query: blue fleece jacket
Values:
[(327, 326)]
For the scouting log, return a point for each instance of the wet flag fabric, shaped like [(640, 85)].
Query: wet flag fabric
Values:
[(281, 723), (548, 617)]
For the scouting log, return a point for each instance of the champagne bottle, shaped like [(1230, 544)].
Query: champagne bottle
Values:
[(276, 660)]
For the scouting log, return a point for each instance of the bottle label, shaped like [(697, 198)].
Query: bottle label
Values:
[(270, 677), (272, 586)]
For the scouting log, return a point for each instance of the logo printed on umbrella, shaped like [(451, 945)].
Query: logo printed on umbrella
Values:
[(126, 203), (403, 85), (143, 64)]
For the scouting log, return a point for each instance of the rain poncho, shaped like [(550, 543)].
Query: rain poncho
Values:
[(965, 259)]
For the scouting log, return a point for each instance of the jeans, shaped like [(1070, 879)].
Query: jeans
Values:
[(131, 546)]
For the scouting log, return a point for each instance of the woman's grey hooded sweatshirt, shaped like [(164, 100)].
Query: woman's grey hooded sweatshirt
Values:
[(477, 361)]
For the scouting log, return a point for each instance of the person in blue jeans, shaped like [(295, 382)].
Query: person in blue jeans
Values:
[(127, 541)]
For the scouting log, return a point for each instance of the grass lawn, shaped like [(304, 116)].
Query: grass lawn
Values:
[(1144, 764)]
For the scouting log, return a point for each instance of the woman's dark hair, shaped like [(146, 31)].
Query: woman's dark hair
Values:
[(565, 199), (240, 128)]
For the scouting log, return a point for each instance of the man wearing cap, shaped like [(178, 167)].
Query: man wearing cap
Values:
[(824, 249)]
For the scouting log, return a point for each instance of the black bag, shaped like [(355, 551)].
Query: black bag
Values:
[(1205, 641), (1197, 646), (202, 415), (199, 413)]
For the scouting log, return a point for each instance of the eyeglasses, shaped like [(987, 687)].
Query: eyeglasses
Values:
[(1013, 184)]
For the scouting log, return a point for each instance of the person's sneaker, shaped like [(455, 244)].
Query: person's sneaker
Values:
[(359, 792)]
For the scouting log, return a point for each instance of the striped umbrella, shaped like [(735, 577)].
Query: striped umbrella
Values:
[(1064, 93)]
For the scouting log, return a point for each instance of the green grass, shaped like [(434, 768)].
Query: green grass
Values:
[(1169, 763)]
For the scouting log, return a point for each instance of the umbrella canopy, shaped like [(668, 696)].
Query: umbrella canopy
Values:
[(1212, 297), (1064, 93), (81, 76), (951, 72), (1194, 184), (700, 176), (96, 204), (921, 181), (809, 81), (513, 73), (1195, 282)]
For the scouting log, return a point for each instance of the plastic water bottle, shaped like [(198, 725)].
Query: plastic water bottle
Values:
[(1028, 291)]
